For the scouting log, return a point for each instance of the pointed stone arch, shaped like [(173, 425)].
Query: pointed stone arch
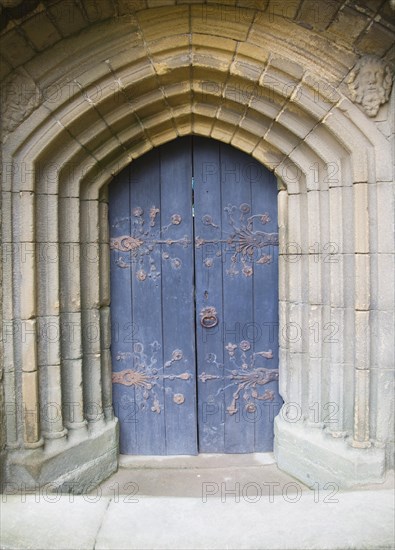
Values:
[(133, 85)]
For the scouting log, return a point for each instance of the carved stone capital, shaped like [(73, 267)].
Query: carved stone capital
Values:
[(19, 97), (370, 83)]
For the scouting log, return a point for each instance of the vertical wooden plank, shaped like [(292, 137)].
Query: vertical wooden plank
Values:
[(208, 277), (238, 299), (146, 283), (178, 298), (121, 310)]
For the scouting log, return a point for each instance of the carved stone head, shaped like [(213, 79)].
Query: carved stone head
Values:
[(370, 83)]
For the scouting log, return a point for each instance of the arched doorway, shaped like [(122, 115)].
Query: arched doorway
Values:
[(136, 81), (194, 301)]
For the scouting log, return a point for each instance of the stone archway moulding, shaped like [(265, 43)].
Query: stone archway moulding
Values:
[(89, 115)]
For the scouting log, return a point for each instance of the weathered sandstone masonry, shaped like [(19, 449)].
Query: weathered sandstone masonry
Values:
[(88, 87)]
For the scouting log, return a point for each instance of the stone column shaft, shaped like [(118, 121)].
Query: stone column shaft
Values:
[(26, 337), (362, 304), (71, 322), (49, 332), (90, 298)]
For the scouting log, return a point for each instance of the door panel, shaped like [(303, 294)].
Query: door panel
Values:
[(178, 307), (164, 258), (236, 260), (152, 287), (209, 344)]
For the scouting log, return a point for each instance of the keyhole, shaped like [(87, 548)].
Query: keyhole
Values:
[(205, 294)]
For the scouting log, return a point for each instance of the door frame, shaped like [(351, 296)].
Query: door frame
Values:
[(127, 184)]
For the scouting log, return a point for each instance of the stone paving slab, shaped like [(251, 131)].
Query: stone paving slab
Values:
[(325, 521), (359, 520), (34, 522)]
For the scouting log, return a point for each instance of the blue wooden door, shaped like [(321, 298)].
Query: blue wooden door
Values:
[(236, 267), (193, 229), (152, 304)]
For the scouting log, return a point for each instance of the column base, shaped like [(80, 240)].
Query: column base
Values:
[(312, 456), (77, 467)]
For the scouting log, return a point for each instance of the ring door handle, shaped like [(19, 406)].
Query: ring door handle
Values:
[(208, 317)]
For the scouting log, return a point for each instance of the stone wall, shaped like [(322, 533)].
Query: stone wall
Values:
[(91, 86), (2, 406)]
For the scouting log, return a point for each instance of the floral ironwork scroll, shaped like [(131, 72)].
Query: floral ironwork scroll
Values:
[(146, 236), (246, 243), (146, 376), (245, 376)]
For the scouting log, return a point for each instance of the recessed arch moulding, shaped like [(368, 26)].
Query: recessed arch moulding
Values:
[(82, 110)]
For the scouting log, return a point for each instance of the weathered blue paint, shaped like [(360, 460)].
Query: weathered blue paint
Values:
[(236, 265), (194, 301), (152, 291)]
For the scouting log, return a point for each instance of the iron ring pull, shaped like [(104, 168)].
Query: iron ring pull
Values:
[(208, 317)]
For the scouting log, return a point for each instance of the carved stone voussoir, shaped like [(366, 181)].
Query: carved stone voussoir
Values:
[(19, 97), (370, 83)]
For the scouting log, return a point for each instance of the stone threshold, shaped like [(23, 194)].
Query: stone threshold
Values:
[(200, 461)]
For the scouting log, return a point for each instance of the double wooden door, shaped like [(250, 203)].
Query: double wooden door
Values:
[(194, 301)]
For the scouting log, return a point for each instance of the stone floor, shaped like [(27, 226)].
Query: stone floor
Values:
[(205, 502)]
